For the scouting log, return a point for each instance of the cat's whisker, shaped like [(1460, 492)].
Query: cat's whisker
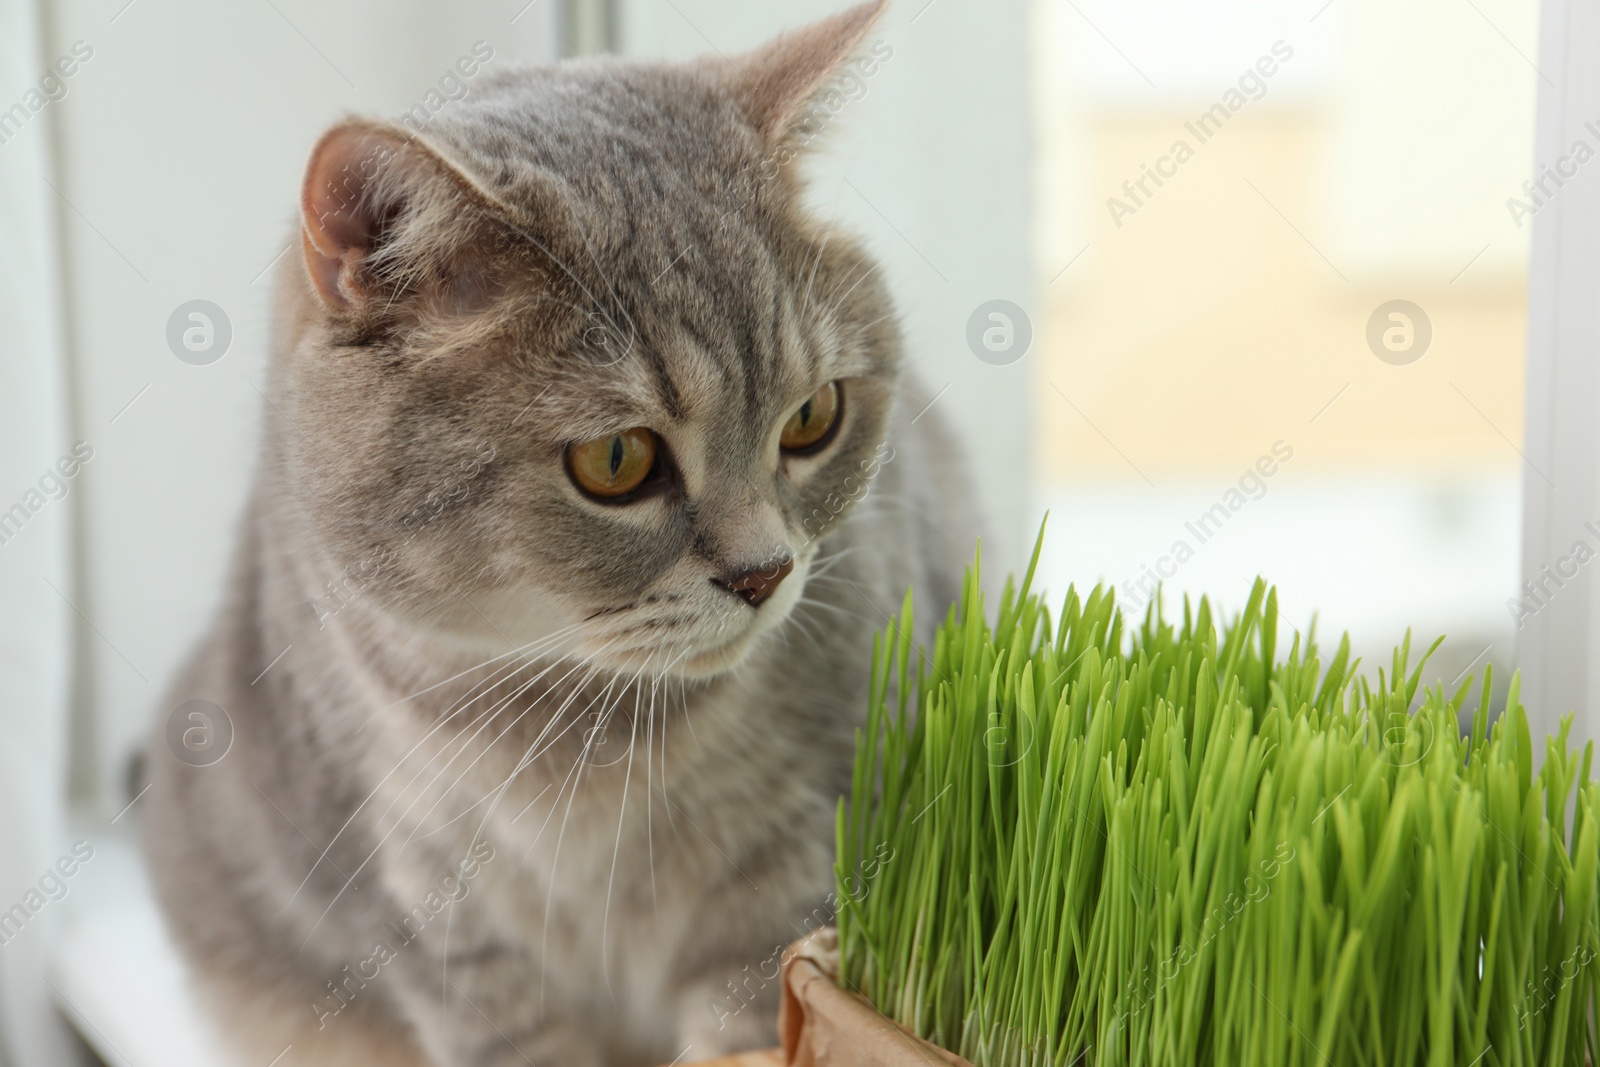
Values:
[(575, 775), (401, 818), (534, 752), (616, 849), (448, 822), (568, 271), (649, 793), (525, 760), (484, 717), (899, 500), (496, 795), (528, 757), (815, 263), (836, 303), (518, 668), (800, 627), (534, 650), (666, 710), (660, 687), (826, 563), (814, 602), (532, 653), (840, 580), (531, 646), (467, 743), (499, 793), (531, 803), (873, 322), (350, 880)]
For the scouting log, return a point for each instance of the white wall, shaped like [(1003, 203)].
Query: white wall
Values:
[(182, 143), (36, 620)]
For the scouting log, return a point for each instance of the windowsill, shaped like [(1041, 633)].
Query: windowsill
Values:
[(117, 975)]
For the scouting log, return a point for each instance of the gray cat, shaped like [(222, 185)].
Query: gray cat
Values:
[(588, 475)]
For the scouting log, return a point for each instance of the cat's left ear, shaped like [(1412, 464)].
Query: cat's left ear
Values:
[(778, 82)]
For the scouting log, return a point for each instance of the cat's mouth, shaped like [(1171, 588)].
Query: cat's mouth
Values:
[(719, 658), (693, 659), (712, 638)]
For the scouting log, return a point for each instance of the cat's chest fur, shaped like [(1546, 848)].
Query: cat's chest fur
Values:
[(636, 831), (612, 867)]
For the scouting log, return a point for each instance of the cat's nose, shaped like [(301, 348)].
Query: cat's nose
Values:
[(758, 583)]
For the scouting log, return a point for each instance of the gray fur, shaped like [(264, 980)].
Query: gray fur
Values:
[(631, 772)]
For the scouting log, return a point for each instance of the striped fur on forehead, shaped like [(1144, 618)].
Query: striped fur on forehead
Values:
[(643, 155), (702, 340)]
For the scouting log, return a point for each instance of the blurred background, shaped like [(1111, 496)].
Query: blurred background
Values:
[(1229, 289), (1215, 310)]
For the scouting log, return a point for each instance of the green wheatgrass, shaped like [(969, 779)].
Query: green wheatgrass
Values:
[(1072, 841)]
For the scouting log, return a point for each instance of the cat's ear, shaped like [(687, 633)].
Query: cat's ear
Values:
[(777, 82), (363, 179)]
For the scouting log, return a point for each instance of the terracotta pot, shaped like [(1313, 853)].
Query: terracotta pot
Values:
[(822, 1025)]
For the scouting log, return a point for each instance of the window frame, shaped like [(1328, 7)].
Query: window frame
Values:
[(1561, 492)]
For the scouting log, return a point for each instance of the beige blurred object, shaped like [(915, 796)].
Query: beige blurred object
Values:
[(1225, 314)]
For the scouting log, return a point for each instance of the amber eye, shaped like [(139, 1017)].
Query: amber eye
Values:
[(811, 423), (612, 466)]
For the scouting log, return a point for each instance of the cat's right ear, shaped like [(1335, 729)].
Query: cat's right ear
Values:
[(363, 181), (339, 218)]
